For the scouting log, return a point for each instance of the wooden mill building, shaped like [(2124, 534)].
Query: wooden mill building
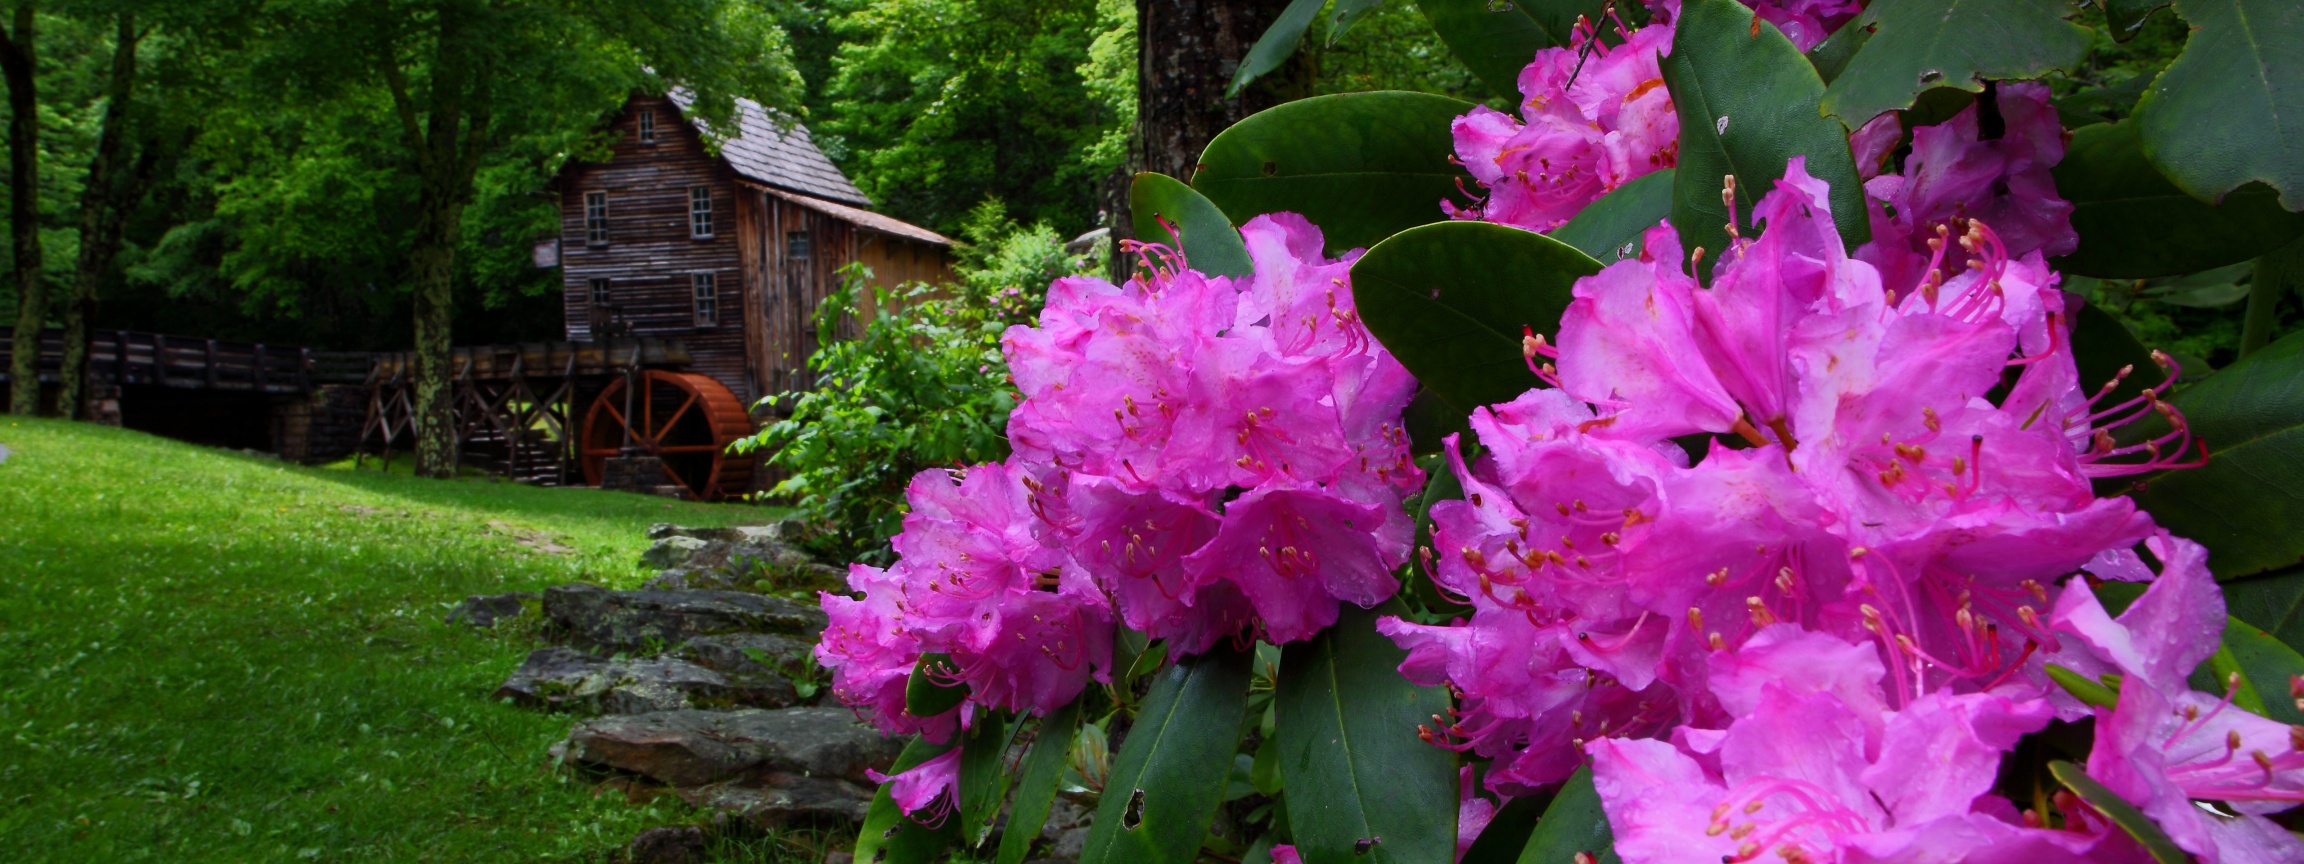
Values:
[(724, 243)]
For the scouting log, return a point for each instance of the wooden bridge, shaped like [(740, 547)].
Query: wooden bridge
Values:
[(547, 413), (129, 358)]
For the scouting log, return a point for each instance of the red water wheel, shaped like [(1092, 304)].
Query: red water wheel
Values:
[(685, 419)]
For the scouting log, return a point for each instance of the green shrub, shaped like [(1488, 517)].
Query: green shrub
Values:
[(923, 386)]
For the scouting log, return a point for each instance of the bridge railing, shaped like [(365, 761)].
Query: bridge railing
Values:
[(158, 359)]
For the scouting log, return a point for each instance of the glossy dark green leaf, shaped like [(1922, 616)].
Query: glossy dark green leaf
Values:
[(1362, 786), (1362, 166), (1498, 39), (1430, 420), (2121, 812), (1449, 300), (1147, 661), (924, 696), (2101, 347), (1609, 229), (2273, 603), (2135, 224), (1278, 42), (888, 837), (1036, 784), (1347, 13), (1914, 45), (984, 778), (2230, 110), (1210, 242), (1174, 765), (2247, 504), (2266, 668), (1747, 104), (1574, 823), (1832, 55)]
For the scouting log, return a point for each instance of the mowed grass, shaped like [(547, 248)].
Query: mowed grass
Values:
[(214, 657)]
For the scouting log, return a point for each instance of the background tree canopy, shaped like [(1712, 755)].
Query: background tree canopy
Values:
[(281, 206)]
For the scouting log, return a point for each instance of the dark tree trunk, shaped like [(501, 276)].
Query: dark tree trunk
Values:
[(104, 203), (19, 65), (447, 141), (1186, 52)]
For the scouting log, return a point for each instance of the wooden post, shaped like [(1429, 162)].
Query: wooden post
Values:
[(257, 363), (210, 365), (160, 359), (119, 357), (303, 369)]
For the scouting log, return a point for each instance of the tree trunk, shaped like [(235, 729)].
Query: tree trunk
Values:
[(104, 203), (448, 142), (19, 65), (432, 268), (1186, 52)]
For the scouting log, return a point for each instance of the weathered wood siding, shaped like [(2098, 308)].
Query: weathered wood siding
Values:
[(650, 257)]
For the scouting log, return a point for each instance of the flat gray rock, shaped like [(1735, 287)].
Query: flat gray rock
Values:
[(484, 610), (694, 748), (773, 800), (646, 621), (563, 678), (743, 653)]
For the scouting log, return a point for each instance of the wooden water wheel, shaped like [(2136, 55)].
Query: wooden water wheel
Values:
[(685, 419)]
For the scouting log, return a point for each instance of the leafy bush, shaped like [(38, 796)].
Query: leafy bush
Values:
[(923, 386)]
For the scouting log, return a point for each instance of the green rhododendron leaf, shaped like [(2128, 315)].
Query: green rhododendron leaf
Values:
[(924, 696), (1036, 784), (1209, 241), (2245, 505), (1362, 166), (1574, 823), (1916, 45), (1609, 229), (2135, 224), (2230, 110), (1362, 786), (1498, 39), (1174, 766), (1278, 42), (1449, 300)]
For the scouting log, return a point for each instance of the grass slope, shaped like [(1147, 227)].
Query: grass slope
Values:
[(215, 657)]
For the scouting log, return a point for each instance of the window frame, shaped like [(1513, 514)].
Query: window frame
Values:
[(700, 212), (647, 124), (704, 298), (596, 218), (596, 290)]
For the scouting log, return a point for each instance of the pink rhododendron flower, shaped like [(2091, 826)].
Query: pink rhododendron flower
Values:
[(2165, 746), (1231, 450), (973, 582), (1807, 778), (1589, 123), (1913, 478), (1198, 457), (927, 792), (1805, 22), (1956, 171)]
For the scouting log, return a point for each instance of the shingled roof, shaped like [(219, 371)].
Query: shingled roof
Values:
[(775, 151)]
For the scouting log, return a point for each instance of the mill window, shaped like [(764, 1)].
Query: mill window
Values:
[(700, 211), (707, 299), (647, 126), (599, 292), (596, 218)]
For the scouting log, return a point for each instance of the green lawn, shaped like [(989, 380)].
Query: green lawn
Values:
[(217, 657)]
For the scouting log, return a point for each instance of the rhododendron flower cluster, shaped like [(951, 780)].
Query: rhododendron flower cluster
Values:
[(1956, 171), (1593, 117), (1816, 637), (1200, 457)]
